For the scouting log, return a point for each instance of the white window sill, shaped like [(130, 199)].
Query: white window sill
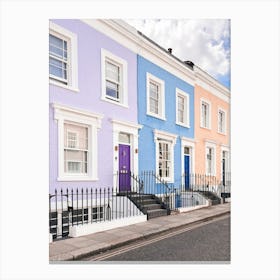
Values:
[(213, 175), (166, 180), (76, 178), (55, 83), (183, 124), (114, 102), (222, 133), (156, 116), (208, 128)]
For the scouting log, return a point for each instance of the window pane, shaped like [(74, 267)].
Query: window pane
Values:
[(56, 71), (154, 91), (181, 108), (205, 114), (74, 167), (154, 106), (181, 116), (186, 150), (112, 89), (180, 103), (221, 121), (55, 41), (57, 47), (124, 138), (58, 68), (56, 51), (112, 72)]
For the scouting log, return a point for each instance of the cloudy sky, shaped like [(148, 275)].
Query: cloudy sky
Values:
[(206, 42)]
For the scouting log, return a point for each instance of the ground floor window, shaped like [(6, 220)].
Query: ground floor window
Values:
[(210, 159), (97, 213), (164, 159), (77, 143), (165, 143), (75, 148)]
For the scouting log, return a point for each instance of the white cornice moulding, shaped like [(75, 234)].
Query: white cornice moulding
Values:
[(129, 124), (206, 81), (73, 111), (127, 36), (211, 141), (185, 139), (165, 135)]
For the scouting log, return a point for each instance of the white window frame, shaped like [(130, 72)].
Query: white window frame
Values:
[(224, 131), (225, 148), (76, 147), (161, 106), (190, 143), (186, 114), (212, 146), (132, 130), (123, 94), (171, 139), (72, 54), (202, 100), (63, 115)]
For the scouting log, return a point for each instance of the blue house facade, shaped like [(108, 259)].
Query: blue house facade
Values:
[(166, 113)]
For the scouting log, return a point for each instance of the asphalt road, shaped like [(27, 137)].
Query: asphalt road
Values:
[(210, 242)]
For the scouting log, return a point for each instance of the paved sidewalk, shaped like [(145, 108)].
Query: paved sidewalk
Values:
[(80, 247)]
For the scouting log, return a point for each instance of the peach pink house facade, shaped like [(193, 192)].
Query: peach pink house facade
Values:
[(212, 127)]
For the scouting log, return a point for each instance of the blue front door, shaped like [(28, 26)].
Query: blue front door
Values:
[(187, 171), (124, 168)]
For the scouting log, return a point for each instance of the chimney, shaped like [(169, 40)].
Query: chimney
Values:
[(190, 63), (170, 50)]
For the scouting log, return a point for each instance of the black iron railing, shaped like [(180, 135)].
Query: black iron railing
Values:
[(154, 184), (83, 206)]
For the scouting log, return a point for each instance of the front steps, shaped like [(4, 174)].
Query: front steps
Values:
[(150, 205), (213, 198)]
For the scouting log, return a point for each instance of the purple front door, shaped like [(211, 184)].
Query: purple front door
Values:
[(124, 168)]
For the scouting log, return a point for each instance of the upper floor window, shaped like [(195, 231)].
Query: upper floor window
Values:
[(114, 78), (113, 85), (155, 97), (182, 112), (58, 58), (221, 121), (205, 114), (62, 57)]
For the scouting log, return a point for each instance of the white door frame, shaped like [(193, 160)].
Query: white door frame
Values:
[(190, 143), (132, 130)]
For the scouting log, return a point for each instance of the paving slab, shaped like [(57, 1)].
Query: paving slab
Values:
[(61, 248), (103, 236), (86, 251)]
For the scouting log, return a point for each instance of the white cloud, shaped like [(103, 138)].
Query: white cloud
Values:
[(205, 42)]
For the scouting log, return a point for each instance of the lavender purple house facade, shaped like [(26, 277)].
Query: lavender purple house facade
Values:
[(93, 107)]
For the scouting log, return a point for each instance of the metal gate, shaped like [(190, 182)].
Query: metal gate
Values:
[(60, 215)]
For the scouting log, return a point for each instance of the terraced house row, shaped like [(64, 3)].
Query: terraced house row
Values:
[(134, 131)]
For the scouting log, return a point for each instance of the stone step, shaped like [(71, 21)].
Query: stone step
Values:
[(211, 196), (147, 201), (142, 197), (156, 213), (151, 206)]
